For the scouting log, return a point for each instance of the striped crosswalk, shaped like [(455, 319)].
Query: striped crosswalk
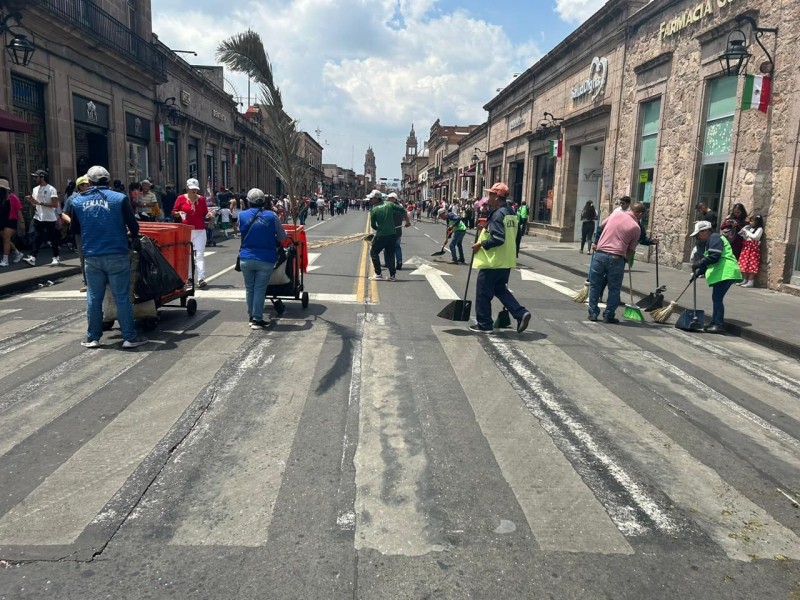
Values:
[(607, 443)]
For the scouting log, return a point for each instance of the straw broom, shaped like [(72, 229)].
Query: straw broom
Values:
[(662, 314), (582, 294)]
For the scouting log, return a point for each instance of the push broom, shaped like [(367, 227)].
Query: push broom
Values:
[(632, 312), (580, 296), (662, 314)]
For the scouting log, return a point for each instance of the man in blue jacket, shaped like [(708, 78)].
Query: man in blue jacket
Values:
[(105, 217)]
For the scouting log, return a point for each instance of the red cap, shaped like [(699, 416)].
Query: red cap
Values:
[(501, 189)]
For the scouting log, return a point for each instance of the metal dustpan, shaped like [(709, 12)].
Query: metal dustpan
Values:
[(692, 320), (653, 300), (457, 310)]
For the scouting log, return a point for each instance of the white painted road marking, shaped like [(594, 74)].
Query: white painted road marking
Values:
[(435, 278), (234, 295)]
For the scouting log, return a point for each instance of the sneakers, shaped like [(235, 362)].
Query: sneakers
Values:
[(91, 343), (259, 324), (83, 288), (202, 284), (611, 320), (16, 257), (714, 328), (399, 266), (478, 329), (139, 340), (748, 284), (392, 278), (593, 318), (4, 262), (31, 260), (377, 278), (56, 262), (522, 324)]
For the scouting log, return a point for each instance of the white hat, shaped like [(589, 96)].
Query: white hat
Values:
[(256, 197), (192, 184), (97, 173), (374, 194), (393, 195), (700, 226)]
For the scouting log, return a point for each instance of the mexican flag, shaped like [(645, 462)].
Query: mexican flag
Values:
[(162, 132), (556, 149), (756, 92)]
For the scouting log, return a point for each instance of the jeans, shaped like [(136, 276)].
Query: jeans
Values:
[(587, 232), (45, 231), (493, 283), (387, 243), (199, 242), (718, 291), (256, 275), (610, 268), (456, 245), (114, 270)]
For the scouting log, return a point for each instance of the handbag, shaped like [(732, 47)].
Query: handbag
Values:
[(238, 265)]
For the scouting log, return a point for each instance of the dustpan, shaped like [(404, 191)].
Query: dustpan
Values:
[(459, 310), (653, 300), (692, 320)]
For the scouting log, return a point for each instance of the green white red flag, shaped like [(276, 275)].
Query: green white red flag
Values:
[(556, 149), (756, 93), (162, 132)]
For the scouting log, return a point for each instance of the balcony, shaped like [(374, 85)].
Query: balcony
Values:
[(97, 26)]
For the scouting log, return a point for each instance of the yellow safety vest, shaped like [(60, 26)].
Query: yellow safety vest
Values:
[(499, 257)]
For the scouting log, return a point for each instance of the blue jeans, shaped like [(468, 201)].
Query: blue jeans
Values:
[(718, 291), (398, 254), (605, 267), (256, 275), (455, 244), (114, 270), (493, 283)]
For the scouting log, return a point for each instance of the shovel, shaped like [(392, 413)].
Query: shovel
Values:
[(459, 310), (653, 300), (441, 252), (692, 320)]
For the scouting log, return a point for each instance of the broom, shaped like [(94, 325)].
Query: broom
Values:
[(580, 296), (662, 314), (632, 312)]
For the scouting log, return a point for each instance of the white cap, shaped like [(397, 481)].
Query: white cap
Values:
[(192, 184), (97, 173), (393, 195), (700, 226), (374, 194), (255, 195)]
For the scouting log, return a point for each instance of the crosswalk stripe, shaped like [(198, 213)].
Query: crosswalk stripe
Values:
[(254, 466), (389, 468), (562, 511), (233, 295), (41, 331), (8, 311), (742, 528), (59, 509)]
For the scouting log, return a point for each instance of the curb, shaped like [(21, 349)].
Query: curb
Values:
[(24, 284), (762, 339)]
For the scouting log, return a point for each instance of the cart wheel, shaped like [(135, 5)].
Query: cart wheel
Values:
[(149, 324), (279, 306), (304, 300), (108, 325), (191, 306)]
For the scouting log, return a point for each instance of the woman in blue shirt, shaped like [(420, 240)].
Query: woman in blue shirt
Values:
[(261, 233)]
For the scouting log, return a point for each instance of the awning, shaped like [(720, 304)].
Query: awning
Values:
[(11, 122)]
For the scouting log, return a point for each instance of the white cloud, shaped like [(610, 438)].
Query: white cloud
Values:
[(577, 11), (362, 70)]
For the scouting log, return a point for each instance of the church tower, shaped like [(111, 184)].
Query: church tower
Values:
[(411, 144), (370, 171)]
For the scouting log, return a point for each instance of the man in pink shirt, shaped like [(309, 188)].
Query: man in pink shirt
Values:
[(615, 246)]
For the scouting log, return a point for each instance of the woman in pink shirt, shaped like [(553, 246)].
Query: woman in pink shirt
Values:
[(10, 218), (191, 209)]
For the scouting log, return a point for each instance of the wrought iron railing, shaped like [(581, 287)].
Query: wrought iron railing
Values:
[(99, 26)]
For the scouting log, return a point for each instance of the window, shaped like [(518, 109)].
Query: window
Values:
[(717, 140), (648, 153), (137, 161), (544, 185)]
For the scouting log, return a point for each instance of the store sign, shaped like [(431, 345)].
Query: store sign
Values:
[(596, 83), (691, 15), (219, 115), (186, 98), (86, 110)]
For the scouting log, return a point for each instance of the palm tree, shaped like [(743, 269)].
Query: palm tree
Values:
[(245, 53)]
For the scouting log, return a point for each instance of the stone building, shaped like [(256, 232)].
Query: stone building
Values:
[(443, 143), (408, 174), (472, 163), (370, 170)]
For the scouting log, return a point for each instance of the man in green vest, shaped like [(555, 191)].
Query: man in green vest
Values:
[(522, 218), (720, 267), (494, 256), (457, 229)]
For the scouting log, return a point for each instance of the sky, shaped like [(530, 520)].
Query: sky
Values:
[(362, 71)]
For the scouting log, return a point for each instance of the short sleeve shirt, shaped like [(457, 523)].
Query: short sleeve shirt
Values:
[(44, 193)]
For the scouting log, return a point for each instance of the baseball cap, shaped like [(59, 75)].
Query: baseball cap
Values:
[(255, 197), (4, 184), (39, 173), (501, 189), (374, 194), (81, 180), (393, 195), (700, 226), (192, 184), (146, 181), (97, 173)]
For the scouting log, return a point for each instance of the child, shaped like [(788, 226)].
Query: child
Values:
[(224, 219), (750, 258)]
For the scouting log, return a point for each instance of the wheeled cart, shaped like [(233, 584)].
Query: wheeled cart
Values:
[(295, 267)]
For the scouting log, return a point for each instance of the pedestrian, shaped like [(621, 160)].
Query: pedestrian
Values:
[(104, 218), (732, 225), (303, 214), (44, 198), (706, 214), (168, 202), (81, 185), (494, 256), (616, 246), (224, 214), (11, 219), (456, 229), (522, 222), (148, 205), (720, 268), (588, 218), (750, 259), (192, 210), (235, 210), (381, 217), (398, 227), (262, 232), (320, 208)]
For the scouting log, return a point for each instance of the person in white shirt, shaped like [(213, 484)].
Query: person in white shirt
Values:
[(45, 198), (224, 215), (320, 208)]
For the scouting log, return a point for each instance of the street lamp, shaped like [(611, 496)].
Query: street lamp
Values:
[(19, 49), (734, 59)]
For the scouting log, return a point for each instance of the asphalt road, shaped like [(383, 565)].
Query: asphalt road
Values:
[(365, 448)]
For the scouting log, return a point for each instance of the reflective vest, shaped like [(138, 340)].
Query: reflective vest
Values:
[(727, 267), (499, 257), (457, 225)]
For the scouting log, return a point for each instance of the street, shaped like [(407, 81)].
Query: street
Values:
[(365, 448)]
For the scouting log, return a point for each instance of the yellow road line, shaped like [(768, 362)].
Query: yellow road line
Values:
[(364, 271)]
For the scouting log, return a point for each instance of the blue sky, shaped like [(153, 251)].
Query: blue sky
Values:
[(361, 71)]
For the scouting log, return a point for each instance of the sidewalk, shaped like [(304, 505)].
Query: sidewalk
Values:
[(18, 277), (759, 315)]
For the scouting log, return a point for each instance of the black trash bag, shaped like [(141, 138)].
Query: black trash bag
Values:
[(157, 277)]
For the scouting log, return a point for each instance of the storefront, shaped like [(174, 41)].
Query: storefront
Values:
[(30, 149), (137, 133), (91, 127)]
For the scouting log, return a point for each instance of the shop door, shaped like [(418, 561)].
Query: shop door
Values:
[(519, 178), (91, 149), (27, 98), (590, 172)]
